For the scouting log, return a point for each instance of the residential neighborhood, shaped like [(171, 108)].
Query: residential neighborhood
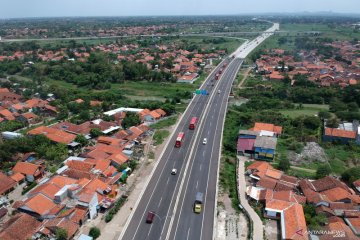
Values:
[(180, 120)]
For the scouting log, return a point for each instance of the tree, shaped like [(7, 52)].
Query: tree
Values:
[(84, 115), (131, 119), (82, 140), (351, 175), (323, 171), (333, 122), (284, 164), (61, 234), (63, 113), (94, 232), (324, 115), (95, 132)]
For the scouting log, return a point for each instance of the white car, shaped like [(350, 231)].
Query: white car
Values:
[(219, 91), (205, 141), (174, 171)]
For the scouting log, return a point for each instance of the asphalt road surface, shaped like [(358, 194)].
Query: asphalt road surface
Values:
[(163, 189), (171, 197)]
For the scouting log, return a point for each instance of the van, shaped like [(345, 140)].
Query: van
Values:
[(150, 217)]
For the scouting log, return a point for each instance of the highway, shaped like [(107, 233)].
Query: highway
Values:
[(172, 197)]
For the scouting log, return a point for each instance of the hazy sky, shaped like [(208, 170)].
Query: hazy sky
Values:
[(49, 8)]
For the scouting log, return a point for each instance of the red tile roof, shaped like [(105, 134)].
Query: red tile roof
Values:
[(336, 194), (6, 183), (340, 133), (267, 127), (80, 165), (55, 135), (295, 224), (47, 189), (18, 177), (39, 204), (27, 168), (266, 183), (62, 181), (21, 226)]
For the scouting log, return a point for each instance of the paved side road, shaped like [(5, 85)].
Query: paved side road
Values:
[(258, 227)]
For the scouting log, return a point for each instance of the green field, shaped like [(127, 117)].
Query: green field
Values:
[(165, 122), (336, 32), (231, 44), (307, 109)]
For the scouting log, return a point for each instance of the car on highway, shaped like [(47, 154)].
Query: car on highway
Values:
[(150, 217), (173, 171), (205, 141), (219, 91)]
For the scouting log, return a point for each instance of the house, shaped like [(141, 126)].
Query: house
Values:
[(265, 148), (30, 170), (339, 135), (50, 226), (246, 141), (55, 135), (7, 114), (9, 96), (291, 216), (28, 118), (267, 127), (40, 206), (7, 184), (188, 78), (20, 226)]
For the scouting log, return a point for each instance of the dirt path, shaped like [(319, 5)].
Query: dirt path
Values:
[(258, 227), (246, 74), (303, 169)]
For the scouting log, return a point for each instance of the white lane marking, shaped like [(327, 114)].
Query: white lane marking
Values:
[(208, 133), (200, 166), (188, 234), (197, 184), (160, 202), (192, 153), (167, 182), (188, 159), (203, 154)]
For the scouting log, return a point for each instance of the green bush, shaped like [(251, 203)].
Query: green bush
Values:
[(29, 187), (94, 232)]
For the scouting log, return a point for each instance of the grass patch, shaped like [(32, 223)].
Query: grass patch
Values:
[(301, 173), (151, 155), (227, 177), (307, 109), (159, 136), (165, 122), (337, 166)]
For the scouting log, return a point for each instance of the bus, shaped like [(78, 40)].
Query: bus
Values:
[(192, 124), (179, 139)]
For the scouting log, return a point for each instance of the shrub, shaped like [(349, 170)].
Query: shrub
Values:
[(94, 232)]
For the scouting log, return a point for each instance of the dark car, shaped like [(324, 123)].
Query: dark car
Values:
[(150, 217)]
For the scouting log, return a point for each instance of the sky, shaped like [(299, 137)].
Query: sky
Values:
[(65, 8)]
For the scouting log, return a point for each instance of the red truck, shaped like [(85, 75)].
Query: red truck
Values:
[(192, 124), (179, 139)]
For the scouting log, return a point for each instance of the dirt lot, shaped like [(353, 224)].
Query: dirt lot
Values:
[(231, 225)]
